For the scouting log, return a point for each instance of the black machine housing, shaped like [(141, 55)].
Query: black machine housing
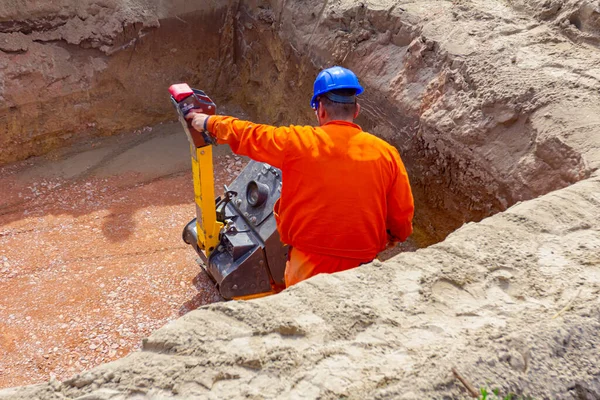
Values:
[(250, 258)]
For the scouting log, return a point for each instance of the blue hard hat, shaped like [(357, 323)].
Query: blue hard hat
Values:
[(332, 79)]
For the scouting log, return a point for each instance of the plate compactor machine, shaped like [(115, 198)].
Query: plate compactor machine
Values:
[(235, 234)]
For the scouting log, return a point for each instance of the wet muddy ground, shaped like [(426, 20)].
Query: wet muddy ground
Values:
[(91, 256)]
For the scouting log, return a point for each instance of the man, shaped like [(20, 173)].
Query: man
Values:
[(345, 194)]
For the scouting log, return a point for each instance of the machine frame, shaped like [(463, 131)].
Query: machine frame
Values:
[(235, 235)]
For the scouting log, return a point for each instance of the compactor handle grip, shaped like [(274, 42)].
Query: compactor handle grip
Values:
[(186, 99)]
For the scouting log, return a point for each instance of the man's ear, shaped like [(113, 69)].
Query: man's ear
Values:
[(322, 112), (357, 110)]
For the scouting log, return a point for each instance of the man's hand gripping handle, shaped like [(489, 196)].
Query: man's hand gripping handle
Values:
[(194, 108)]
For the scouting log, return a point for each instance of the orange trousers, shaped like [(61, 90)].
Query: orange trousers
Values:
[(301, 265)]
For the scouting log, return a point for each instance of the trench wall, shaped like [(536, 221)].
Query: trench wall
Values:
[(99, 68)]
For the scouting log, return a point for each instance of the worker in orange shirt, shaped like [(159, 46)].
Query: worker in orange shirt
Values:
[(345, 195)]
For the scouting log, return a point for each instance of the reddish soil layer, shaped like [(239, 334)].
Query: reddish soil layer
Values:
[(92, 261)]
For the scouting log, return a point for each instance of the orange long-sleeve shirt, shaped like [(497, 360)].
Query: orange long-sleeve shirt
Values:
[(343, 189)]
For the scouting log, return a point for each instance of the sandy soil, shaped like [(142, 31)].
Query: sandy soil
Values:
[(91, 256)]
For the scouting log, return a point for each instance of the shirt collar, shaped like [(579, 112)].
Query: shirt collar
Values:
[(343, 123)]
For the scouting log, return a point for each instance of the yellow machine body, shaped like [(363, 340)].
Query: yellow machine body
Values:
[(207, 226)]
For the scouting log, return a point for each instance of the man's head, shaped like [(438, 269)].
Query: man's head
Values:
[(334, 97)]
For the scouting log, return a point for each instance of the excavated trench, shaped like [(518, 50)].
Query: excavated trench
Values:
[(239, 57), (450, 126)]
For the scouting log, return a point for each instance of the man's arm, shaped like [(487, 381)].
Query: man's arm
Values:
[(401, 205), (262, 143)]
